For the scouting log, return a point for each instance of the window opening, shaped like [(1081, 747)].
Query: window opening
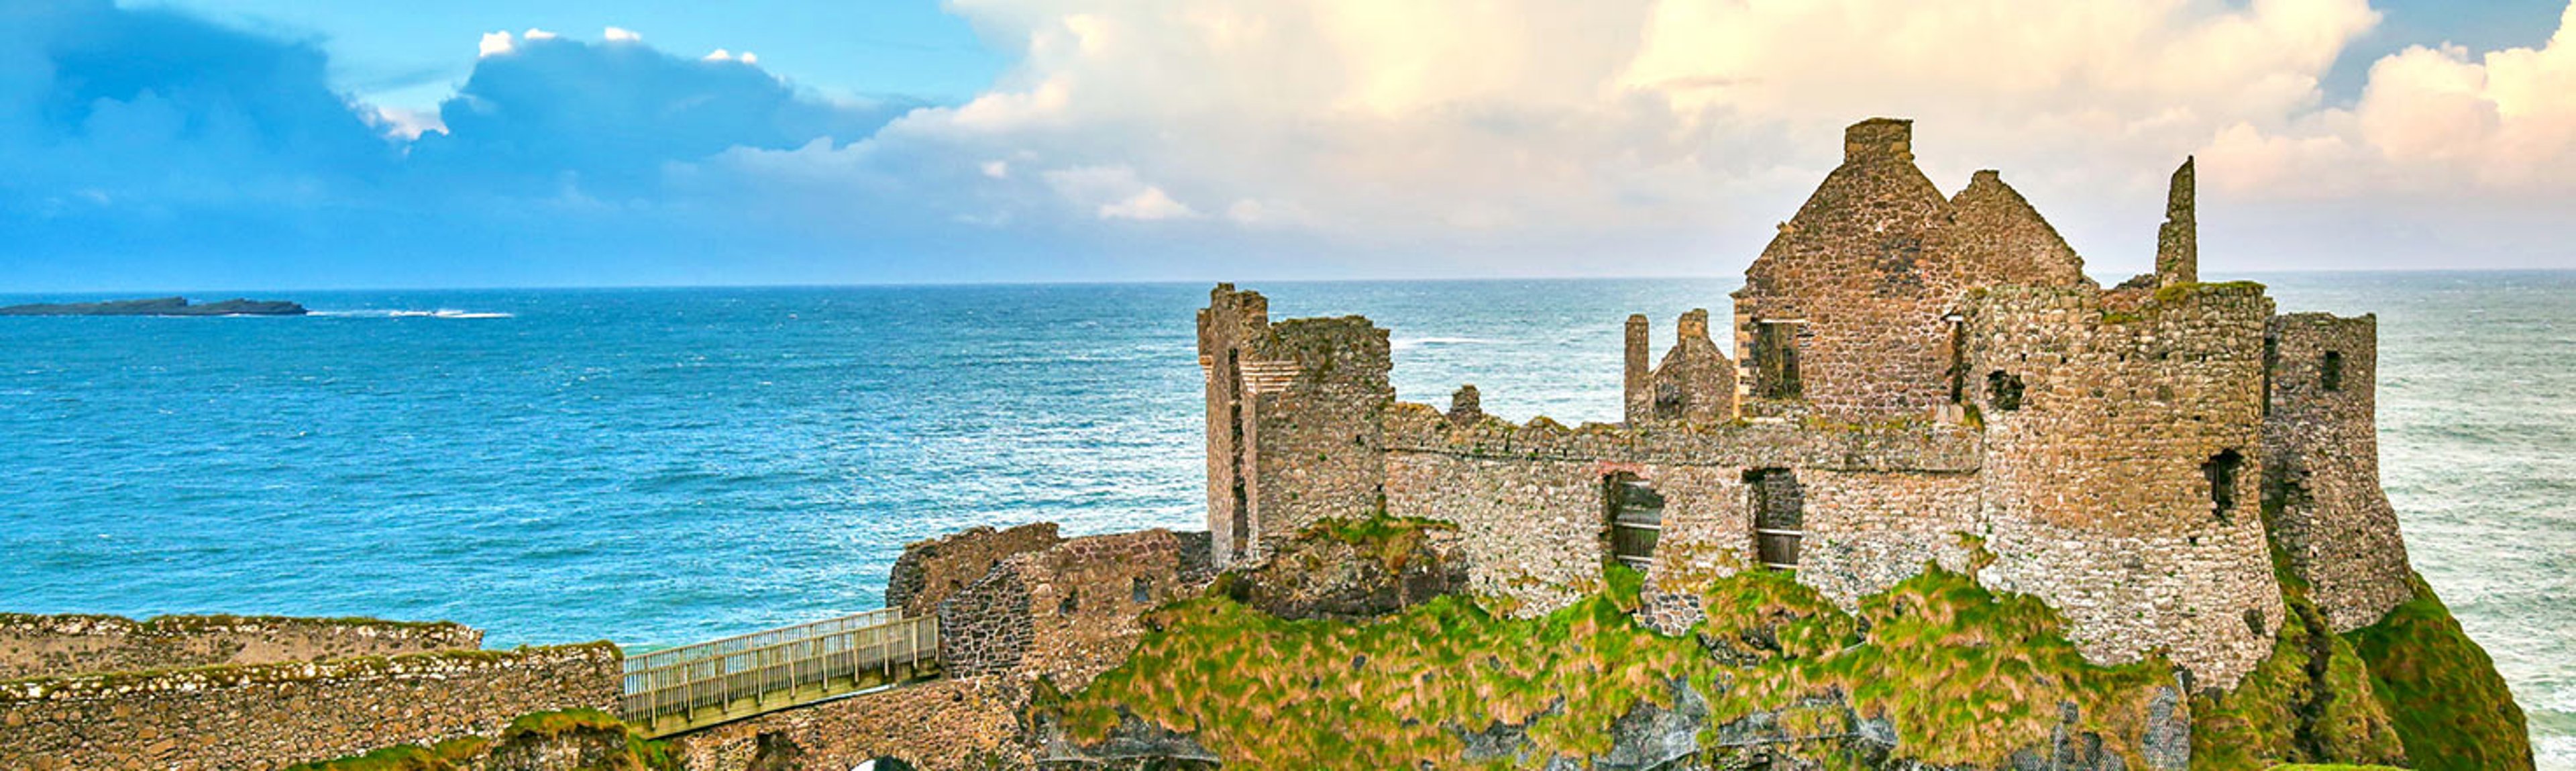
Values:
[(2221, 470), (2330, 371), (1779, 513), (2003, 390), (1775, 360), (1636, 520)]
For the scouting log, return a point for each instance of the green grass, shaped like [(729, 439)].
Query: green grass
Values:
[(2450, 706), (444, 756), (1392, 540), (2280, 713), (1968, 676), (641, 754)]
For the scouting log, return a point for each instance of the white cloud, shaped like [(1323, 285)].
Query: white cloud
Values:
[(1115, 192), (620, 34), (718, 55), (996, 169), (539, 34), (408, 124), (1149, 204), (1689, 126), (495, 44)]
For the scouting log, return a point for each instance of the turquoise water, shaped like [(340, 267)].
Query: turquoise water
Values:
[(663, 466)]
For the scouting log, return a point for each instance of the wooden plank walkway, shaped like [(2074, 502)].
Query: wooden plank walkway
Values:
[(684, 689)]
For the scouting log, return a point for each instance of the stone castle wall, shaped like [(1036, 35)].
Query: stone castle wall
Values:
[(265, 716), (2321, 468), (1857, 275), (35, 646), (1319, 433), (2105, 430), (931, 570), (1530, 501), (1293, 412), (1069, 612), (945, 725)]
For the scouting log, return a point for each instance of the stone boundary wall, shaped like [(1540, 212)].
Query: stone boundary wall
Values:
[(269, 715), (1419, 428), (946, 725), (37, 646), (2321, 468), (931, 570), (1070, 612)]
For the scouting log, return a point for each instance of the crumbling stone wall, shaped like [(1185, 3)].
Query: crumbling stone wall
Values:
[(270, 715), (1530, 501), (1066, 613), (1086, 598), (946, 725), (1866, 271), (984, 628), (2321, 467), (1868, 530), (2001, 239), (1293, 420), (33, 646), (2105, 430), (931, 570), (1694, 384)]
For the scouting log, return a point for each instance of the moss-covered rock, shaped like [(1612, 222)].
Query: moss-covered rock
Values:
[(570, 740), (2450, 706), (2311, 701), (1934, 671), (1350, 569)]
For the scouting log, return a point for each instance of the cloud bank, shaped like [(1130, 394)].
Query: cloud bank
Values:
[(1263, 138)]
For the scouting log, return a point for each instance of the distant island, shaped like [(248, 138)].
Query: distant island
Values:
[(159, 306)]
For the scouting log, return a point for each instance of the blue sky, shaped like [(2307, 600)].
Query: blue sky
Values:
[(268, 144)]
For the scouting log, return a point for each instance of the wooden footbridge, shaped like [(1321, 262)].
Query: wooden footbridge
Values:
[(677, 690)]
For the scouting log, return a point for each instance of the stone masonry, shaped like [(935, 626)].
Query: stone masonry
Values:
[(1916, 377), (32, 646), (1069, 612), (2321, 469), (265, 716), (931, 570), (956, 723)]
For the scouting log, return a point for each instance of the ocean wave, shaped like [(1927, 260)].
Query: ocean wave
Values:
[(442, 313)]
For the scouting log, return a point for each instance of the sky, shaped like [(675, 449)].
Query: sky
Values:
[(285, 144)]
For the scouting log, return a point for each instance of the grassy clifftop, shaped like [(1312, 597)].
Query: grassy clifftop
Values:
[(1959, 676), (1936, 671), (2450, 706)]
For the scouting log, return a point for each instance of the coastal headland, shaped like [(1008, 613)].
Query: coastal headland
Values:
[(159, 306)]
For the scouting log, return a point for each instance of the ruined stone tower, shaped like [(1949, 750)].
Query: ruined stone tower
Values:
[(1293, 420)]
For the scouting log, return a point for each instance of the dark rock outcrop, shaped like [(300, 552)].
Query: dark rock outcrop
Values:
[(159, 306), (1350, 570)]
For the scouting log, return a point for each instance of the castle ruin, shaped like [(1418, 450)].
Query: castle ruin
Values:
[(1914, 379)]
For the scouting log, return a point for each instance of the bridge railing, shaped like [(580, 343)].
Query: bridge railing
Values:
[(761, 639), (777, 664)]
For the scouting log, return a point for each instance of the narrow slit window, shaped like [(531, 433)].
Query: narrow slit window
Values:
[(2330, 371), (2221, 470), (1779, 514), (1636, 520)]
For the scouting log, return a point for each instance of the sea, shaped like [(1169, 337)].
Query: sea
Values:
[(662, 466)]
